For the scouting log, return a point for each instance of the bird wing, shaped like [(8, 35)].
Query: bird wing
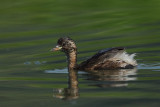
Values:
[(101, 57)]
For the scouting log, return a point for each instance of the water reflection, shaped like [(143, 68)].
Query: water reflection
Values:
[(72, 91), (112, 78), (105, 78)]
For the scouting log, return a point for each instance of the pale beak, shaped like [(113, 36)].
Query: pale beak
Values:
[(56, 48)]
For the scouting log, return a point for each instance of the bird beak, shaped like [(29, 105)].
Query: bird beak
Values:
[(56, 48)]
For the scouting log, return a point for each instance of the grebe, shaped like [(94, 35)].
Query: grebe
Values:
[(112, 58)]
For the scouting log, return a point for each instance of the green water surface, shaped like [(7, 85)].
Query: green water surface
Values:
[(32, 76)]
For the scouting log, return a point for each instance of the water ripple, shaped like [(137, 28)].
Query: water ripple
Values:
[(149, 66), (62, 71)]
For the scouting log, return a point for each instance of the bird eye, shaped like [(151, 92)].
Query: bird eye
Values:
[(63, 44)]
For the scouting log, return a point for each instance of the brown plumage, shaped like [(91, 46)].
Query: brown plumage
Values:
[(113, 58)]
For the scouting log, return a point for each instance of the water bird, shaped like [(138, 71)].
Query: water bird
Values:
[(112, 58)]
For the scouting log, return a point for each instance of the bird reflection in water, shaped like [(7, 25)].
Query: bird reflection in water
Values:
[(71, 92), (105, 78), (112, 78)]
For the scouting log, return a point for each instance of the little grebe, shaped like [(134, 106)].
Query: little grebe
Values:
[(113, 58)]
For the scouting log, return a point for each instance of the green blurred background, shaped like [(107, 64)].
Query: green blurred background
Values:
[(29, 29)]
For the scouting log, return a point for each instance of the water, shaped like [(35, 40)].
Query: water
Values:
[(32, 76)]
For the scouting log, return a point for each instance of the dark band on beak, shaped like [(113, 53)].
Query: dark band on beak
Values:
[(57, 48)]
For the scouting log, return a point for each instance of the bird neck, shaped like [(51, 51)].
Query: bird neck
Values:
[(72, 59)]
